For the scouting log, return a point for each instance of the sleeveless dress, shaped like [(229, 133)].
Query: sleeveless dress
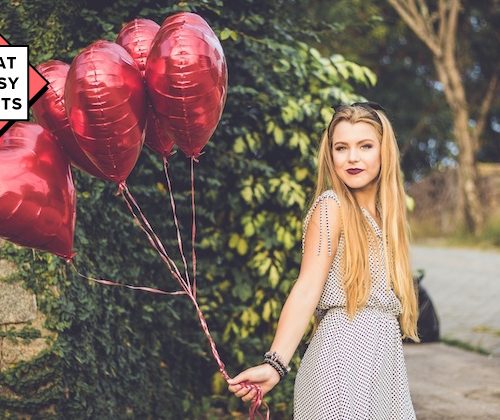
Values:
[(353, 369)]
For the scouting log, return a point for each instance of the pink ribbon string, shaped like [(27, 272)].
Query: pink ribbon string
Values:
[(128, 286), (258, 399), (143, 221), (156, 243), (174, 212), (152, 237), (193, 226)]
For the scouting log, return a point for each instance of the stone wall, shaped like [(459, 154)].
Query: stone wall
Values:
[(22, 332)]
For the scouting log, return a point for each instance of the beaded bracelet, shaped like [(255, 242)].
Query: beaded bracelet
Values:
[(277, 367), (274, 357)]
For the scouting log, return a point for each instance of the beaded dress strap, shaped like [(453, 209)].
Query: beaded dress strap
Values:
[(324, 223)]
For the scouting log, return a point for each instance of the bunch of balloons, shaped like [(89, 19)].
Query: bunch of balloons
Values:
[(165, 86)]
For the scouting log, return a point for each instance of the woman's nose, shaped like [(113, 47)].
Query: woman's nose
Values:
[(353, 155)]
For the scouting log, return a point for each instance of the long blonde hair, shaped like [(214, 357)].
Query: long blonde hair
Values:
[(391, 198)]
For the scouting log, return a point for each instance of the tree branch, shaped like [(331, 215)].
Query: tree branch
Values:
[(485, 106), (410, 15), (442, 20), (451, 30)]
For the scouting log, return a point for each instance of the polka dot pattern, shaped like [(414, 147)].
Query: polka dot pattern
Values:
[(354, 369)]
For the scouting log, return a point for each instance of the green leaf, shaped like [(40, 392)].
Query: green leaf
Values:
[(273, 276), (266, 312), (233, 241), (243, 291), (247, 194), (278, 135), (239, 145), (249, 229), (242, 246), (225, 34), (301, 173)]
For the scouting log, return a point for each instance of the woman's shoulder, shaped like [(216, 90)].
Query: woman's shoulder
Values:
[(323, 201), (329, 194), (324, 211)]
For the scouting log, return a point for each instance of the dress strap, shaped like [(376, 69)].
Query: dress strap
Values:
[(324, 222)]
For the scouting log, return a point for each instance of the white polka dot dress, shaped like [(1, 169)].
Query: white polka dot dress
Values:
[(354, 369)]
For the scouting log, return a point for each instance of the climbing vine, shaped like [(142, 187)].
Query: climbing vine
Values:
[(124, 354)]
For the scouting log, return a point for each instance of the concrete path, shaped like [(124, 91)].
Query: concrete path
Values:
[(449, 383), (464, 285)]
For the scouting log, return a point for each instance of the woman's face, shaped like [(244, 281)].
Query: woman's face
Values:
[(356, 154)]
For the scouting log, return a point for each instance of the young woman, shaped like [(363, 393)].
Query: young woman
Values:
[(354, 277)]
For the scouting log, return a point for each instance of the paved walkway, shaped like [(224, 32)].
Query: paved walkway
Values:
[(450, 383), (464, 285)]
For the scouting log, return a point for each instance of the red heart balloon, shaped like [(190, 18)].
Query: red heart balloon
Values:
[(106, 107), (136, 37), (50, 113), (37, 196), (186, 77)]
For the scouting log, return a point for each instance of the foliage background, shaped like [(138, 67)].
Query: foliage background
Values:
[(123, 354)]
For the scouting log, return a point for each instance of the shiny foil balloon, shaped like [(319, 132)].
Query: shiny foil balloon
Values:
[(156, 137), (106, 107), (186, 77), (37, 196), (50, 113), (136, 37)]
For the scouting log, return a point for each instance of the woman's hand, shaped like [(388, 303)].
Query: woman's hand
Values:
[(263, 375)]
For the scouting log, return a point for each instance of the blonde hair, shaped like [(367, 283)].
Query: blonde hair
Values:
[(391, 198)]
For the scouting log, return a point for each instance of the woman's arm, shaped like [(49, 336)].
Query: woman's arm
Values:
[(302, 300)]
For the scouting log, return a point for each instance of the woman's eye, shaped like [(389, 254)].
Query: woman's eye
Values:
[(365, 146)]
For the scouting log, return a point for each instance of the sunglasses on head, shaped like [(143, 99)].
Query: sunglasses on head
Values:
[(369, 106)]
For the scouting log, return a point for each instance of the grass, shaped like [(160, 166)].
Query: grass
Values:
[(464, 346), (427, 232), (487, 330)]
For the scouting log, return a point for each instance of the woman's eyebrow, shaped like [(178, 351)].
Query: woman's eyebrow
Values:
[(345, 142)]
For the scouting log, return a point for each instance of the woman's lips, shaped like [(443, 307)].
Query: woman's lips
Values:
[(354, 171)]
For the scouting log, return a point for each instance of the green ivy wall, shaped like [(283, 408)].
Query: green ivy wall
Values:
[(116, 353)]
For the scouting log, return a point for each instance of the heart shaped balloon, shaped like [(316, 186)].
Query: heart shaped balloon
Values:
[(50, 113), (106, 107), (186, 77), (37, 196), (137, 37)]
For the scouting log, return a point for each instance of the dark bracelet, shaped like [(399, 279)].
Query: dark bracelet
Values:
[(272, 355), (277, 367)]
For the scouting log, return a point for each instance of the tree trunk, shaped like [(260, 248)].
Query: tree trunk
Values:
[(441, 41), (469, 200)]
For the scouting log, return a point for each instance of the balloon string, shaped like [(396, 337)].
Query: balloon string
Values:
[(130, 200), (150, 228), (152, 241), (128, 286), (152, 237), (191, 293), (172, 204), (258, 399), (193, 226)]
